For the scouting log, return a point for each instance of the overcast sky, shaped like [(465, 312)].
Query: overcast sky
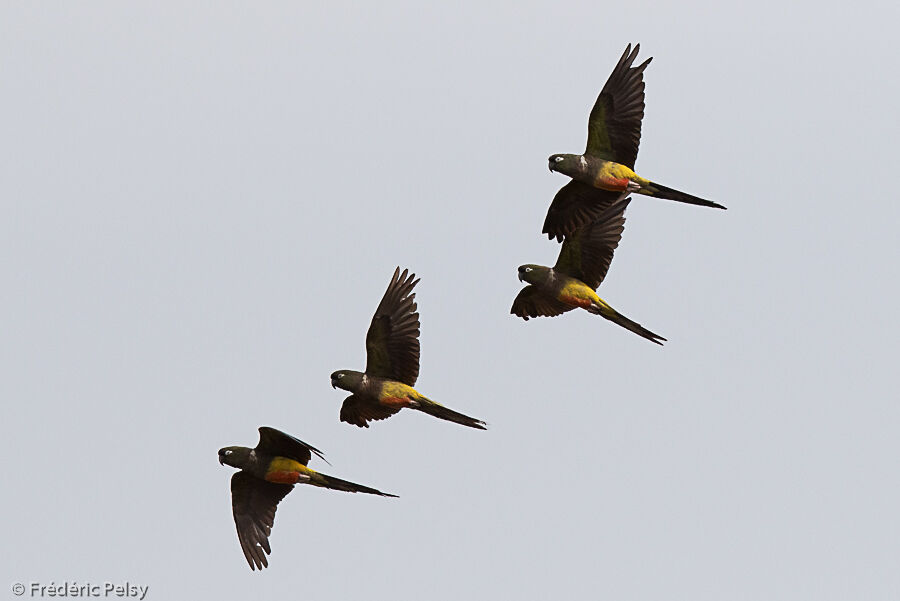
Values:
[(202, 206)]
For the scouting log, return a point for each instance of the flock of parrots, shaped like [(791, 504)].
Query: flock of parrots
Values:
[(587, 215)]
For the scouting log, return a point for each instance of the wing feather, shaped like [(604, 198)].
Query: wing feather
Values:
[(278, 444), (574, 206), (359, 412), (392, 342), (253, 502), (531, 302), (614, 125), (587, 253)]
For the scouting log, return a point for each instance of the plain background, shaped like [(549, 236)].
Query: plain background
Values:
[(202, 205)]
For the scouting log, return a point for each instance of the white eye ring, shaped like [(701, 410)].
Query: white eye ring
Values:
[(339, 376), (527, 269), (557, 159), (228, 452)]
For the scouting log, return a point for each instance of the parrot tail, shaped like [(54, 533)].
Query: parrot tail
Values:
[(438, 410), (616, 317), (333, 483), (659, 191)]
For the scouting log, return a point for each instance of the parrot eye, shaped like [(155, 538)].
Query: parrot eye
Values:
[(339, 376), (557, 159), (527, 269), (228, 453)]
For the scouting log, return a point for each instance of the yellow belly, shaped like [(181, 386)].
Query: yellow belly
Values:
[(615, 177), (286, 471), (397, 389), (285, 464), (397, 394)]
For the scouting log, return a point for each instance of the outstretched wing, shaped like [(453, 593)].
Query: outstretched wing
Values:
[(360, 412), (253, 502), (531, 302), (587, 253), (392, 343), (575, 205), (614, 126), (277, 443)]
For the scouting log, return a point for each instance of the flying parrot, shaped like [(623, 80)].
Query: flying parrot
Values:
[(606, 169), (392, 364), (583, 261), (268, 473)]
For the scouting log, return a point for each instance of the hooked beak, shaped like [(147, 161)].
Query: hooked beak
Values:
[(521, 277), (334, 384), (221, 460), (550, 167)]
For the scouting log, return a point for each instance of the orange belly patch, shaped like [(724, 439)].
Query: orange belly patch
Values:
[(396, 402), (612, 184), (283, 477), (575, 301)]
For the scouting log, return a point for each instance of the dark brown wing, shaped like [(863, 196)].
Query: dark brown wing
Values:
[(614, 126), (392, 342), (253, 502), (278, 444), (531, 302), (575, 205), (587, 253), (359, 412)]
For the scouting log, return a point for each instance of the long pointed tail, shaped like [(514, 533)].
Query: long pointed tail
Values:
[(616, 317), (333, 483), (659, 191), (438, 410)]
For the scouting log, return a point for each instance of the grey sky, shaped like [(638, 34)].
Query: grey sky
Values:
[(202, 207)]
